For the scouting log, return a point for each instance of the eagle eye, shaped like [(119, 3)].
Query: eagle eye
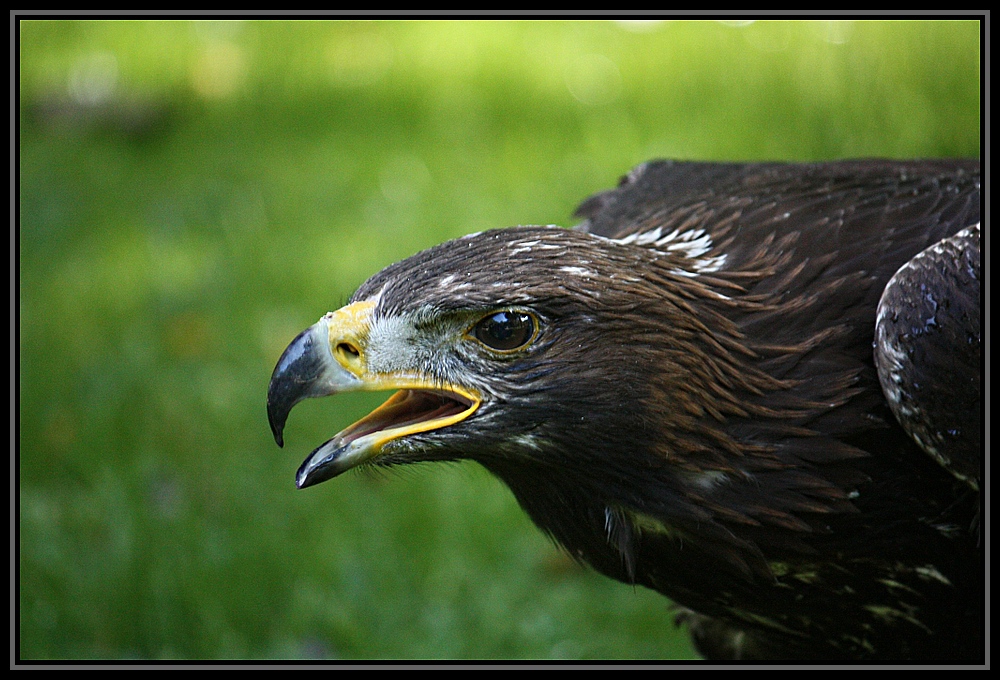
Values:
[(506, 331)]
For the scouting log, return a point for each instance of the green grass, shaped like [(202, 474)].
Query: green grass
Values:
[(191, 195)]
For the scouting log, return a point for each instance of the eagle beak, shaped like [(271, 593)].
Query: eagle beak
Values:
[(330, 357), (306, 369)]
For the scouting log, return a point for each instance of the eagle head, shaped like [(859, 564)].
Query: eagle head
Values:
[(528, 345)]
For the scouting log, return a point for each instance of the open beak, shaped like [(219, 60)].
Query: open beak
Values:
[(329, 357)]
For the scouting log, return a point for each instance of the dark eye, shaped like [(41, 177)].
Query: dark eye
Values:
[(505, 330)]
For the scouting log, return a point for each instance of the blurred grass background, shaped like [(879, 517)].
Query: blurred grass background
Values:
[(192, 194)]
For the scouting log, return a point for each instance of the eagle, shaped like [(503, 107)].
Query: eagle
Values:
[(751, 387)]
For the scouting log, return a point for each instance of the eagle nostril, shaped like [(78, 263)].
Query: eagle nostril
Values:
[(347, 354), (348, 348)]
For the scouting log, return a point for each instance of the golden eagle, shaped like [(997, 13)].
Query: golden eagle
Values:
[(754, 388)]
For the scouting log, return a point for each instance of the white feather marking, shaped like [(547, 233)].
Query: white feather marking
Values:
[(648, 237), (377, 297), (710, 479), (522, 247), (929, 572), (527, 440), (692, 244), (709, 264), (518, 247)]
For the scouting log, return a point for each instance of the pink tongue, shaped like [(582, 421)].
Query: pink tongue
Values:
[(403, 408)]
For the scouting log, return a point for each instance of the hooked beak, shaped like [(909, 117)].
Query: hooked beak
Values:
[(330, 357)]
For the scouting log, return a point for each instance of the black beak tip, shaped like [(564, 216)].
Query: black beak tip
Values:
[(303, 479), (320, 466), (292, 381), (276, 419)]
